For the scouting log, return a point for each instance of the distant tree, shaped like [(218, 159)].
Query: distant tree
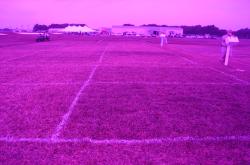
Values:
[(212, 30), (55, 26), (199, 30), (191, 29), (243, 33), (60, 26), (38, 27), (6, 30), (154, 25), (77, 24), (127, 24)]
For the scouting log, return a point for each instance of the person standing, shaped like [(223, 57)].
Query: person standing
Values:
[(225, 44), (163, 39)]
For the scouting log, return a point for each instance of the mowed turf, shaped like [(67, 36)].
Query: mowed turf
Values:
[(172, 153), (45, 73), (33, 110), (139, 111), (38, 85), (138, 103)]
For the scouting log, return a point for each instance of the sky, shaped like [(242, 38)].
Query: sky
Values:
[(226, 14)]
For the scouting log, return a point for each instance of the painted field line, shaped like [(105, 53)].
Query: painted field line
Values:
[(41, 84), (229, 75), (116, 64), (150, 63), (13, 59), (165, 83), (66, 116), (219, 71), (167, 140), (186, 59), (99, 41), (46, 65), (240, 70)]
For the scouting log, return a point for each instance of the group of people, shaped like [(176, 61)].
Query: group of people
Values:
[(226, 44)]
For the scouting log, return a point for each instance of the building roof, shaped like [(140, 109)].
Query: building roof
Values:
[(149, 27)]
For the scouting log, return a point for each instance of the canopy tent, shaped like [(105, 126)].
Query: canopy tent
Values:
[(78, 29), (87, 29)]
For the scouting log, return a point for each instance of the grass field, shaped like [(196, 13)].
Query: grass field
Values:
[(123, 100)]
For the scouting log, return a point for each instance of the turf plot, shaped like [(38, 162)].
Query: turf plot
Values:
[(142, 104)]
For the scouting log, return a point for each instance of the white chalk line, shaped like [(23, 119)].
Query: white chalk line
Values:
[(17, 58), (240, 70), (106, 64), (66, 117), (188, 60), (166, 83), (167, 140), (184, 58), (41, 84), (46, 65), (219, 71), (162, 64), (99, 41), (195, 63), (13, 59), (229, 75), (124, 83)]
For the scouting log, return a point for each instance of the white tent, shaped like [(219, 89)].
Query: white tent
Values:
[(78, 29), (71, 29), (87, 29)]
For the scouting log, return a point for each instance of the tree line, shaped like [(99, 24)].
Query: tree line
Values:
[(187, 30), (203, 30), (38, 27), (243, 33), (213, 30)]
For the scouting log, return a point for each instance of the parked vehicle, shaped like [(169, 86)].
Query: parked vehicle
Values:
[(43, 37)]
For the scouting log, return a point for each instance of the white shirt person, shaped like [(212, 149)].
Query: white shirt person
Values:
[(163, 39)]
